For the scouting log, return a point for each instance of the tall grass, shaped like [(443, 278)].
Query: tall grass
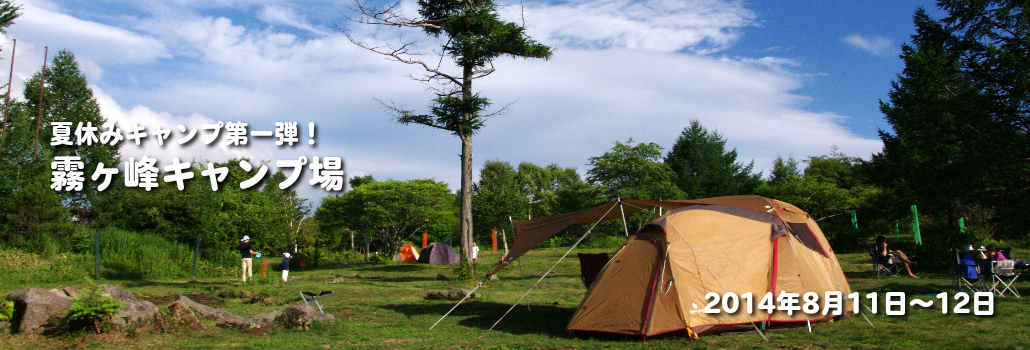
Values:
[(20, 268), (132, 255)]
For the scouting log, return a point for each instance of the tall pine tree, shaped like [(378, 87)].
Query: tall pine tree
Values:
[(68, 98), (473, 36), (705, 168), (960, 117)]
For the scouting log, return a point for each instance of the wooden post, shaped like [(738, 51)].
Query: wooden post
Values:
[(10, 77), (264, 268), (493, 237), (42, 87), (505, 240), (425, 240)]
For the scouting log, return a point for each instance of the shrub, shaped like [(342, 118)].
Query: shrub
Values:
[(92, 307), (461, 270), (610, 241), (6, 310), (381, 259), (344, 257)]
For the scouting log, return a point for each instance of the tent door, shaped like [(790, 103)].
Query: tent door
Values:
[(622, 297)]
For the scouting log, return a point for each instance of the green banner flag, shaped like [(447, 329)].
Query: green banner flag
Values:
[(915, 226), (897, 230), (854, 219), (962, 225)]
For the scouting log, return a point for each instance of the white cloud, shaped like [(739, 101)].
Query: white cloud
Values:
[(258, 150), (875, 45), (583, 100), (619, 71), (279, 15), (700, 26), (101, 42)]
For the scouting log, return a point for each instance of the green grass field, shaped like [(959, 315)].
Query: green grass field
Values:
[(383, 308)]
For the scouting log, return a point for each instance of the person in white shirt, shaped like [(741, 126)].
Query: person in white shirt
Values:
[(475, 252)]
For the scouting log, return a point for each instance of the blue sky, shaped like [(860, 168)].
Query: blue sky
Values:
[(774, 77)]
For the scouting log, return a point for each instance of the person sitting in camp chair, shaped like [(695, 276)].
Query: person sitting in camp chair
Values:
[(995, 254), (881, 248)]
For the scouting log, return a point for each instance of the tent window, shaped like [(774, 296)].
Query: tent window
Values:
[(806, 237)]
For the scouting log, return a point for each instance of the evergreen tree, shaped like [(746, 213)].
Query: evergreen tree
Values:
[(474, 35), (785, 170), (68, 98), (704, 167), (960, 118)]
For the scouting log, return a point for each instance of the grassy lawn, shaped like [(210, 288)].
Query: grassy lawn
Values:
[(383, 308)]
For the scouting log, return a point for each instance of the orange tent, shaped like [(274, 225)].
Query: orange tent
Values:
[(407, 254), (658, 281)]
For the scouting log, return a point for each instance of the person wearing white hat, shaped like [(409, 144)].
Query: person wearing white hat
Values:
[(285, 266), (248, 262)]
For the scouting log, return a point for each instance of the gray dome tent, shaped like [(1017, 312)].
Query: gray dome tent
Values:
[(438, 253)]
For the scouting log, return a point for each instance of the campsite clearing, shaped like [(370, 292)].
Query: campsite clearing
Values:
[(382, 307)]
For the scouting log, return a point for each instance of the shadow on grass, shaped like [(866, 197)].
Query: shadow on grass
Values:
[(394, 268), (541, 319)]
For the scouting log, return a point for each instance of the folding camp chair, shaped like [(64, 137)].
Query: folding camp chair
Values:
[(1003, 273), (590, 265), (314, 297), (883, 266), (963, 275)]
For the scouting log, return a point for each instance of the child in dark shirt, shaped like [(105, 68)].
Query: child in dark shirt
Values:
[(285, 266)]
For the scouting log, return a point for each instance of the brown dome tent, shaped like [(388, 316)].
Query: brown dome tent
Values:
[(438, 253), (657, 281)]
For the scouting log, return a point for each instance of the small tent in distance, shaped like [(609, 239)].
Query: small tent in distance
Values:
[(407, 254), (438, 253)]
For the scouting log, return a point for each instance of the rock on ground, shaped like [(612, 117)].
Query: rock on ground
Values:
[(456, 294), (292, 317), (210, 313), (33, 306), (136, 313), (182, 315), (118, 293)]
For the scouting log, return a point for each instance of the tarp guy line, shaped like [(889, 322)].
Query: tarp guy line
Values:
[(456, 305), (585, 234)]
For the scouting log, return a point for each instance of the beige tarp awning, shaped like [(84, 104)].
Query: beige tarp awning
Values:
[(530, 233)]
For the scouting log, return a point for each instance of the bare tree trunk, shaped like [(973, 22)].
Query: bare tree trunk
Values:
[(466, 200), (466, 174)]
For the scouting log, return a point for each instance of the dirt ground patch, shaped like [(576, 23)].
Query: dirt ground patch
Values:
[(199, 298)]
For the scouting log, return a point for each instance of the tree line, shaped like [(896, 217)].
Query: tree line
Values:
[(957, 152), (37, 215), (957, 149)]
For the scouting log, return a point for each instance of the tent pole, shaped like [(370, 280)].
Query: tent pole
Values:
[(522, 277), (585, 234), (624, 227)]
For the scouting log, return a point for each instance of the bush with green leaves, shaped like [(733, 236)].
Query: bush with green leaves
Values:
[(6, 310), (92, 307)]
